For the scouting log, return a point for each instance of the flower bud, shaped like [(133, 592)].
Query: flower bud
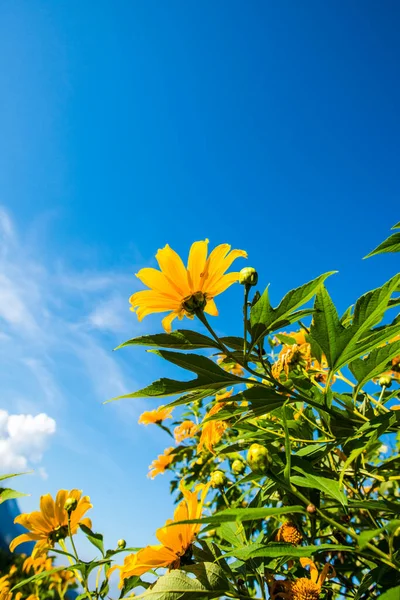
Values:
[(258, 458), (385, 381), (311, 509), (248, 276), (218, 479), (121, 544), (70, 504), (238, 467)]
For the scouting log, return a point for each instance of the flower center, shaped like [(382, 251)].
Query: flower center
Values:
[(195, 302), (59, 533)]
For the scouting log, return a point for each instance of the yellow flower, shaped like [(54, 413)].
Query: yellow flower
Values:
[(212, 431), (175, 542), (4, 583), (182, 290), (289, 533), (155, 416), (50, 524), (231, 367), (39, 564), (161, 463), (302, 588), (290, 357), (185, 430)]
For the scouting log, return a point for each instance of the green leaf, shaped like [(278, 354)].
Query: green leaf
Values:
[(94, 538), (288, 447), (374, 364), (8, 494), (392, 594), (279, 550), (182, 339), (210, 377), (366, 536), (43, 574), (391, 244), (177, 585), (8, 476), (264, 318), (243, 514), (325, 485)]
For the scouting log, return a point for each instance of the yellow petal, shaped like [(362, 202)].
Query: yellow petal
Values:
[(222, 284), (47, 509), (196, 264), (157, 281), (167, 321), (211, 308), (24, 537), (173, 268), (60, 512)]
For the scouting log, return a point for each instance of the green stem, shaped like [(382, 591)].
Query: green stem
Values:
[(246, 298), (84, 581)]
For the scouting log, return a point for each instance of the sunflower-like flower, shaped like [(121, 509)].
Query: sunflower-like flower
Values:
[(50, 524), (161, 463), (176, 541), (212, 431), (289, 533), (303, 588), (185, 430), (157, 415), (184, 290)]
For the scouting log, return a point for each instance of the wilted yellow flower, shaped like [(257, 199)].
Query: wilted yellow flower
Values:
[(161, 463), (183, 290), (289, 533), (231, 367), (302, 588), (50, 524), (185, 430), (212, 431), (155, 416), (176, 542), (291, 356)]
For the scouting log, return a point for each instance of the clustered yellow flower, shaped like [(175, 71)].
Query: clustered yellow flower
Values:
[(50, 524), (157, 415), (303, 588), (175, 541), (212, 431), (161, 463), (184, 290), (185, 430), (299, 355)]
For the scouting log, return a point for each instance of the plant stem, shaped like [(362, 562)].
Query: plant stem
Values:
[(246, 298)]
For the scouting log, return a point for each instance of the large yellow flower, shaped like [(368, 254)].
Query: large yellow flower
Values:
[(155, 416), (161, 463), (181, 289), (212, 431), (50, 524), (175, 542)]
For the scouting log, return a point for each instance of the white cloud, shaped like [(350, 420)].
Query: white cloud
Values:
[(23, 439)]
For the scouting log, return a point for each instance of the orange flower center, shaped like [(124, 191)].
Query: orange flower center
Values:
[(305, 589), (195, 302)]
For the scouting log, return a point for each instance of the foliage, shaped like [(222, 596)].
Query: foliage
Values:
[(293, 429)]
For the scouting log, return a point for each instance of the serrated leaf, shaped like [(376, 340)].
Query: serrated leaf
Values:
[(94, 538), (177, 585), (210, 377), (183, 339), (265, 319), (325, 485), (8, 494), (243, 514), (280, 550), (391, 244), (374, 364)]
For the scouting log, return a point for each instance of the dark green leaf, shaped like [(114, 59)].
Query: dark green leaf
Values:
[(182, 339), (244, 514), (94, 538), (328, 486), (374, 364), (278, 550)]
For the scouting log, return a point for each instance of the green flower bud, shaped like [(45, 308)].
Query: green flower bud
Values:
[(385, 381), (195, 302), (238, 467), (121, 544), (218, 479), (70, 505), (258, 458), (248, 276)]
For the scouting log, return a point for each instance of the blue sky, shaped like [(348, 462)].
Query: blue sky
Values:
[(126, 125)]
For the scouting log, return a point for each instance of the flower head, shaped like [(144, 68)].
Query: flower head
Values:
[(212, 431), (161, 463), (182, 290), (185, 430), (155, 416), (303, 588), (50, 524), (289, 533), (175, 542)]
